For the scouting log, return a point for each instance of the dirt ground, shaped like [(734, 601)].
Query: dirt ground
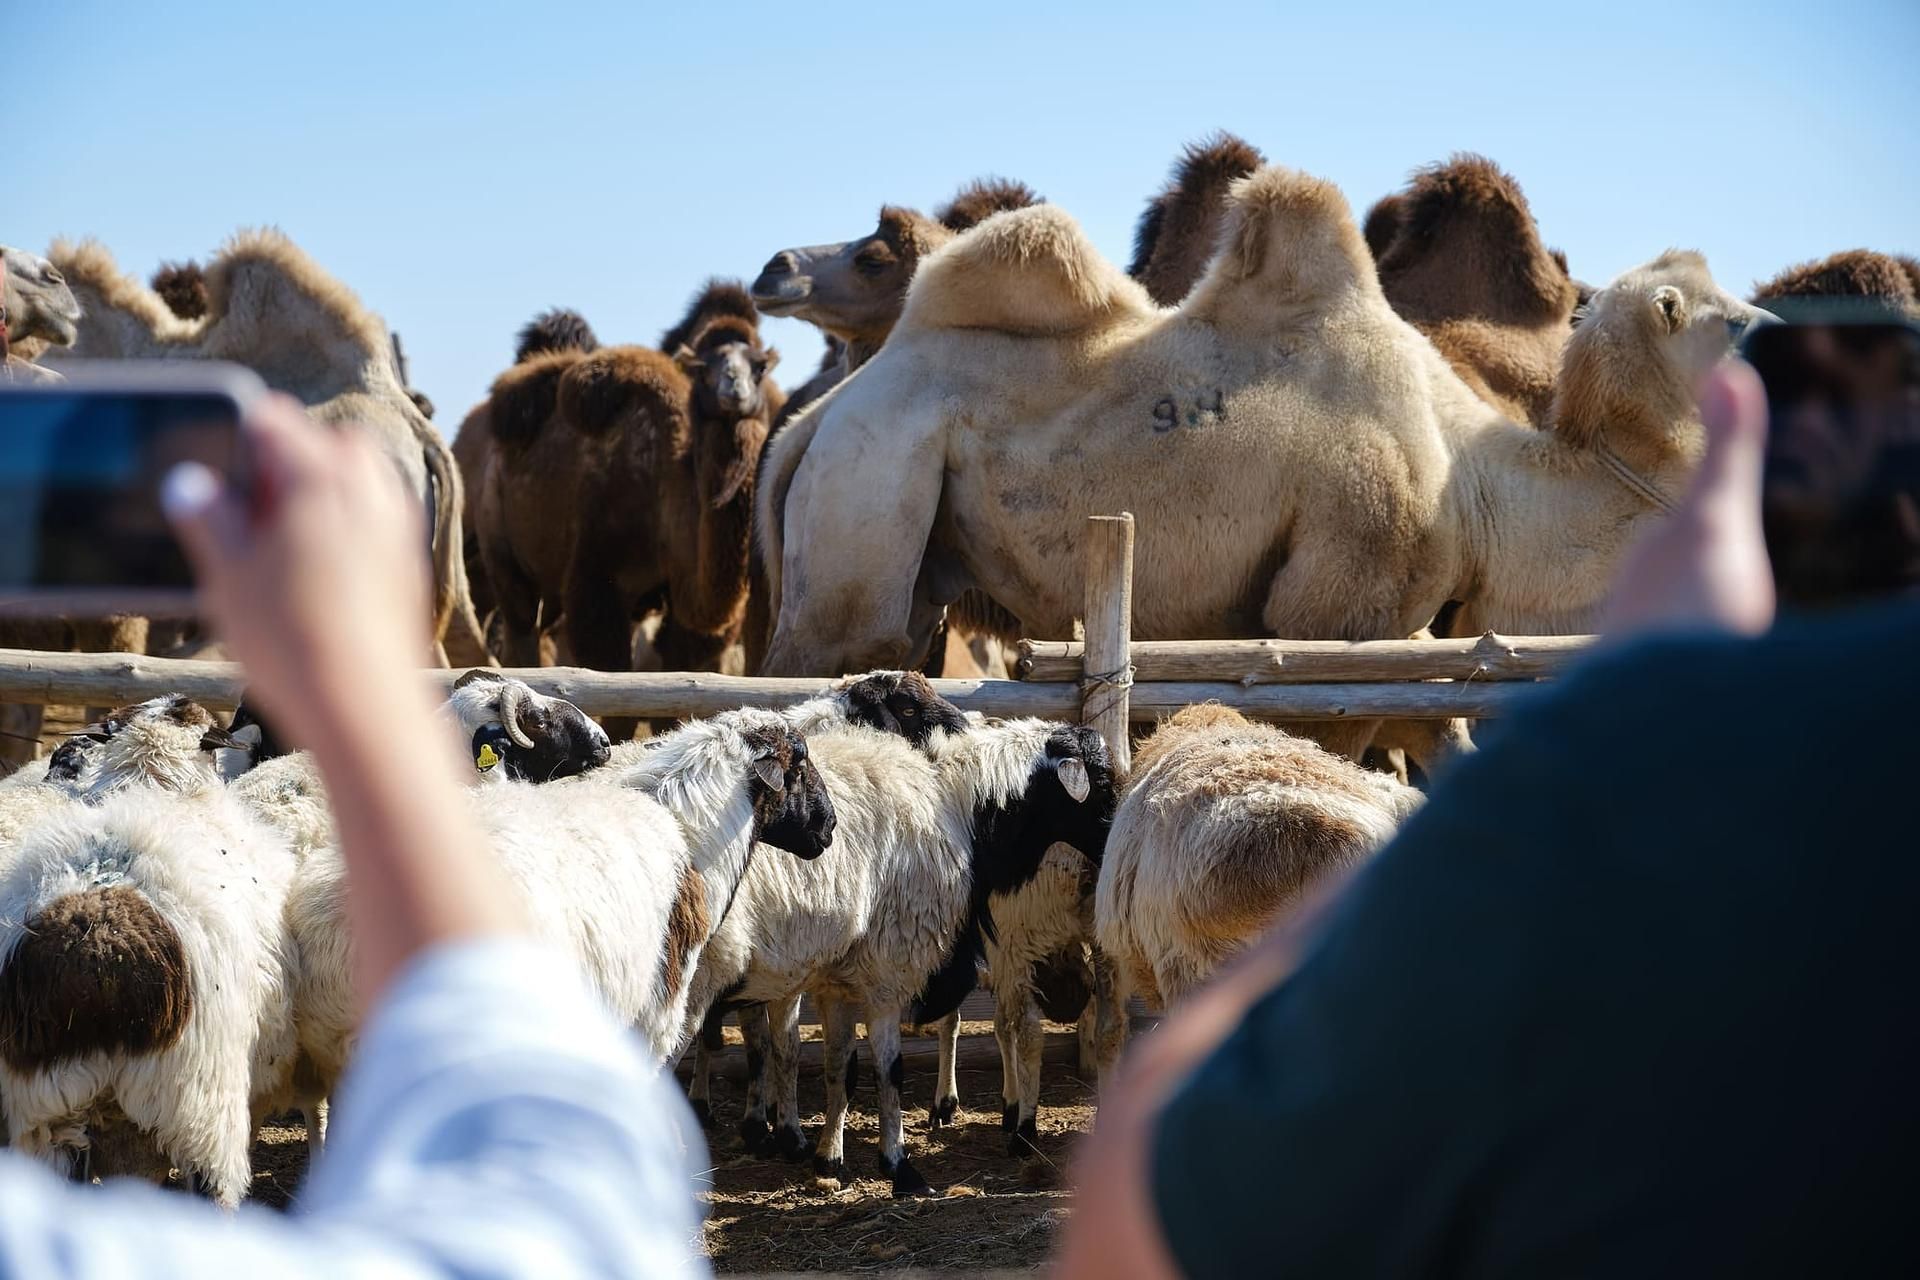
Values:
[(766, 1215)]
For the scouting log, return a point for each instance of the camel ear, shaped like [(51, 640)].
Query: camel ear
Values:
[(766, 362), (684, 356), (1073, 779), (1671, 306)]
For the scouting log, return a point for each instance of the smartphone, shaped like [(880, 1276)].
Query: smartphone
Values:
[(1840, 498), (82, 533)]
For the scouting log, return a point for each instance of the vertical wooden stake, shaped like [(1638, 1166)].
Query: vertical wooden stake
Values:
[(1107, 671)]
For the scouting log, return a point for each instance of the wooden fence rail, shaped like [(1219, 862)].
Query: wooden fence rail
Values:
[(1487, 657)]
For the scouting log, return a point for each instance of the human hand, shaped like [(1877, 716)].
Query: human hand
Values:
[(1705, 566), (318, 585)]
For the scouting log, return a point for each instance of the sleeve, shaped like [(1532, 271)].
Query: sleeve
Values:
[(1338, 1129), (495, 1124)]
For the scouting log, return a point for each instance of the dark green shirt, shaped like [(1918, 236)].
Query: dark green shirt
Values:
[(1634, 995)]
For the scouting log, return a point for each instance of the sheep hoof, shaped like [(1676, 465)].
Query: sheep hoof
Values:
[(834, 1168), (789, 1144), (944, 1111), (1009, 1117), (702, 1111), (756, 1135), (1025, 1143), (907, 1182)]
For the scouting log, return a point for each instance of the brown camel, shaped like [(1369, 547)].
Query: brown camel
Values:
[(1180, 227), (1853, 273), (1304, 461), (1467, 268), (656, 474), (556, 329), (273, 309)]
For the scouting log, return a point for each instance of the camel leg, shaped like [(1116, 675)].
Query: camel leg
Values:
[(600, 623), (683, 649), (946, 1093), (519, 607), (830, 1152)]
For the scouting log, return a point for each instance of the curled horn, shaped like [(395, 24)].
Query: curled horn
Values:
[(514, 696)]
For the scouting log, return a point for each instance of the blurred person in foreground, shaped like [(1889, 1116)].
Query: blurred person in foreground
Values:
[(496, 1122), (1633, 995)]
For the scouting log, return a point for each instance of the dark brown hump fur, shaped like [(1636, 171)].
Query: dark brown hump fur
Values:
[(1854, 273), (980, 199), (618, 386), (1175, 237), (556, 329), (524, 398), (1383, 224), (183, 287), (95, 972), (1468, 246), (716, 298)]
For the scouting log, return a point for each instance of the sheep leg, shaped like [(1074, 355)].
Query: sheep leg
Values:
[(883, 1038), (1087, 1032), (315, 1114), (1017, 1011), (838, 1066), (757, 1030), (946, 1093), (700, 1087), (783, 1039), (1009, 1071), (1110, 992)]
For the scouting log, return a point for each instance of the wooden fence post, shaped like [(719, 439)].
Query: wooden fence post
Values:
[(1107, 671)]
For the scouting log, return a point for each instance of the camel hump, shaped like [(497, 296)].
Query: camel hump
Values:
[(1852, 273), (615, 386), (980, 199), (1289, 240), (1177, 231), (523, 399), (260, 271), (717, 298), (555, 329), (89, 265), (1030, 271), (1463, 240), (183, 287), (95, 972)]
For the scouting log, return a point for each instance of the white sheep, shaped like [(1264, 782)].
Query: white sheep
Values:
[(628, 868), (1222, 825), (143, 959), (922, 846)]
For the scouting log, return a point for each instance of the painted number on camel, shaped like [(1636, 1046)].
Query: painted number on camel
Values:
[(1197, 410)]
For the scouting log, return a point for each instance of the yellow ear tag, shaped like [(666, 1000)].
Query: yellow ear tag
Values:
[(487, 757)]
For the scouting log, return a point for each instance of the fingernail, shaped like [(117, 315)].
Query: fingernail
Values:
[(188, 490)]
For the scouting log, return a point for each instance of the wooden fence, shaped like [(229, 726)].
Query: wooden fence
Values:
[(1107, 681)]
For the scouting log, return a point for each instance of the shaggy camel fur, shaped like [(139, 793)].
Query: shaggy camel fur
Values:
[(1223, 824), (1467, 268), (659, 495), (1306, 463), (273, 309), (853, 292), (1179, 229), (183, 287), (1854, 273), (556, 329)]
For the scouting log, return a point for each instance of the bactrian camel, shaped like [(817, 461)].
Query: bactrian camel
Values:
[(271, 308), (1303, 461)]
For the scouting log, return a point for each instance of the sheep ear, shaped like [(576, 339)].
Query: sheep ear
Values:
[(217, 738), (768, 770), (1073, 779)]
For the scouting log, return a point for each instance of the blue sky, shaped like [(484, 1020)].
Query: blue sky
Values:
[(463, 166)]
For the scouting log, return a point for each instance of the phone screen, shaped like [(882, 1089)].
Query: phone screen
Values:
[(81, 528), (1841, 496)]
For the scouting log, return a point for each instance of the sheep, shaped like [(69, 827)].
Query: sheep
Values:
[(629, 868), (1222, 825), (143, 959), (926, 839)]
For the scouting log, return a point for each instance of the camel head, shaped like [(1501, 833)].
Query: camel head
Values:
[(39, 305), (1644, 344), (855, 289), (728, 369)]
